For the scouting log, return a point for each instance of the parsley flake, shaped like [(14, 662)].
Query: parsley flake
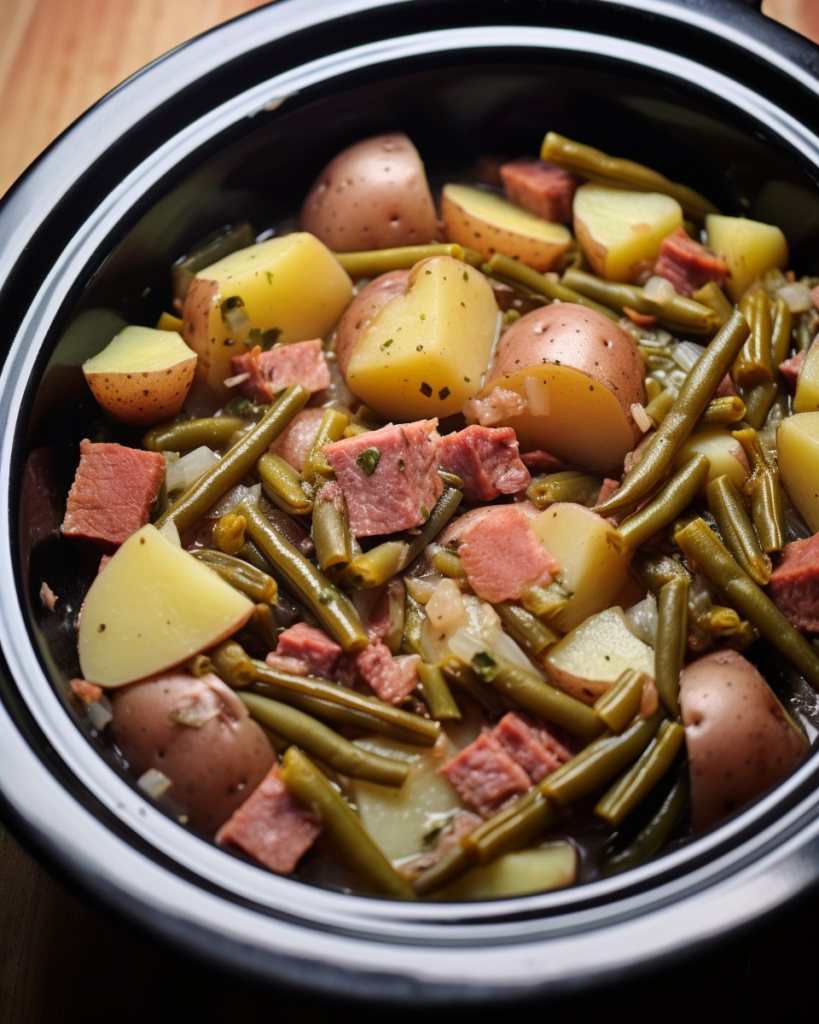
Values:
[(443, 394), (484, 664), (368, 460), (425, 390)]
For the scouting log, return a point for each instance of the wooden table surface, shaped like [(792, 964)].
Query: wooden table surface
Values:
[(61, 960)]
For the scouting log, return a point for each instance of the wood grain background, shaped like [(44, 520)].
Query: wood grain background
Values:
[(63, 961)]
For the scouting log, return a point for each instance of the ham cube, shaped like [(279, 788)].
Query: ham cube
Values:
[(272, 826), (392, 679), (542, 462), (794, 584), (389, 477), (501, 555), (541, 188), (528, 742), (300, 363), (312, 647), (486, 459), (485, 776), (687, 264), (112, 493), (283, 663), (294, 443), (791, 367)]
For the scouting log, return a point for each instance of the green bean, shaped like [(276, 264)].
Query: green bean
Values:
[(250, 553), (331, 535), (282, 485), (766, 496), (738, 535), (264, 626), (672, 637), (542, 285), (635, 785), (374, 262), (653, 570), (513, 828), (331, 428), (232, 664), (804, 331), (447, 563), (451, 867), (678, 314), (721, 412), (437, 695), (700, 383), (532, 693), (185, 435), (720, 621), (241, 458), (598, 166), (712, 296), (659, 407), (414, 616), (621, 702), (397, 601), (567, 485), (467, 679), (545, 602), (524, 627), (597, 764), (758, 401), (354, 429), (199, 665), (673, 499), (743, 636), (342, 825), (753, 364), (330, 606), (257, 585), (451, 479), (781, 336), (701, 546), (319, 740), (649, 840), (443, 510)]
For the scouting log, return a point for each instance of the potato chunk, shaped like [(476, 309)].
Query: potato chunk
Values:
[(797, 445), (748, 247), (291, 285), (551, 866), (806, 398), (152, 607), (142, 376), (724, 453), (621, 231)]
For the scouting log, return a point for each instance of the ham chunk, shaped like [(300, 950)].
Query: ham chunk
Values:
[(791, 367), (609, 488), (272, 826), (294, 443), (392, 679), (312, 647), (283, 663), (486, 459), (542, 462), (112, 492), (300, 363), (726, 389), (501, 555), (389, 477), (794, 584), (687, 264), (541, 188), (485, 776), (528, 742)]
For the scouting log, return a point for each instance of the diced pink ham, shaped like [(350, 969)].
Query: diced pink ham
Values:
[(485, 776), (300, 363), (87, 692), (791, 367), (541, 188), (725, 388), (607, 490), (312, 647), (794, 584), (531, 745), (542, 462), (392, 679), (486, 459), (272, 826), (284, 663), (112, 492), (498, 406), (379, 620), (501, 555), (296, 440), (687, 264), (389, 477)]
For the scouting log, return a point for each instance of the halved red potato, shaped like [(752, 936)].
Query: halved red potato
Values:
[(579, 375)]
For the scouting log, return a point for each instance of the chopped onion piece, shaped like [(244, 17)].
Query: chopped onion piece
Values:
[(445, 609), (699, 595), (797, 296), (501, 643), (537, 396), (238, 323), (240, 378), (189, 468), (641, 417), (169, 531), (99, 713), (465, 646), (686, 354), (421, 588), (228, 502), (659, 290), (641, 619), (154, 783)]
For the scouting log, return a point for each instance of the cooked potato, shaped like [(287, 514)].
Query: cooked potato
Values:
[(548, 867), (724, 453), (595, 654), (797, 446), (806, 398), (152, 607), (373, 195), (740, 739), (292, 286), (590, 568), (748, 247), (142, 376), (424, 349), (621, 231), (489, 223), (198, 733), (579, 374)]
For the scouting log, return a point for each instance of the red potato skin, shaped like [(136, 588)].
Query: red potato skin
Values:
[(195, 317), (373, 195), (214, 768), (364, 307), (738, 737), (566, 334)]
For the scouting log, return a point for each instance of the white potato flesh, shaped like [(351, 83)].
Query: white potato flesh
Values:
[(491, 224), (749, 247), (723, 451), (423, 353), (797, 446), (152, 607), (292, 284), (590, 568), (142, 376), (588, 660), (806, 398), (548, 867), (621, 231)]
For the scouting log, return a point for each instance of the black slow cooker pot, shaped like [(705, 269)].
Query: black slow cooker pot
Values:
[(234, 126)]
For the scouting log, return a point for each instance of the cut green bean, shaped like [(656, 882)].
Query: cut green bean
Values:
[(672, 500), (649, 840), (653, 570), (443, 510), (608, 170), (524, 821), (199, 665), (542, 285), (447, 563), (241, 458), (672, 636), (567, 485), (700, 383), (487, 699), (635, 785), (257, 585), (753, 364), (331, 607), (331, 535), (738, 534), (804, 331), (396, 612), (331, 428), (414, 616), (545, 602), (233, 664), (527, 629), (621, 702), (342, 825), (712, 296), (455, 863), (781, 336), (702, 547), (766, 497), (437, 694), (185, 435), (659, 407), (282, 485), (372, 263), (250, 553), (758, 401), (721, 412), (264, 626)]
